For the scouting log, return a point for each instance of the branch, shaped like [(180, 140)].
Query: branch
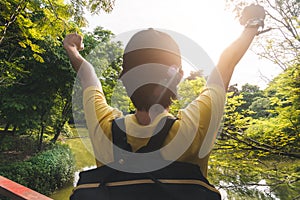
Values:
[(13, 18), (297, 197), (264, 31), (289, 22), (251, 184), (261, 147), (272, 56), (263, 77)]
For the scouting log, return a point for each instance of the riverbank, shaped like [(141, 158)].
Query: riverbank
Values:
[(40, 170), (261, 189), (83, 159)]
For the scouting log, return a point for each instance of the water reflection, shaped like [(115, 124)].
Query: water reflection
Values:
[(260, 190), (264, 188), (76, 176), (232, 186)]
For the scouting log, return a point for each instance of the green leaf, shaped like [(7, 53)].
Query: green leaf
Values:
[(22, 44), (38, 58)]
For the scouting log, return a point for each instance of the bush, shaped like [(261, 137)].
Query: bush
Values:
[(45, 172), (67, 130)]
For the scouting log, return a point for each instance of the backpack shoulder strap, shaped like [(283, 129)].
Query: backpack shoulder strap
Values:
[(161, 132), (119, 137)]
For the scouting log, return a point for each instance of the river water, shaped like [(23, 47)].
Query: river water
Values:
[(65, 192), (84, 160)]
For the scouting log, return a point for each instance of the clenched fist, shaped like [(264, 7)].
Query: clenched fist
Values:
[(252, 12), (73, 40)]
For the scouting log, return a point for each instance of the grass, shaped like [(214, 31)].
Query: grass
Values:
[(17, 148)]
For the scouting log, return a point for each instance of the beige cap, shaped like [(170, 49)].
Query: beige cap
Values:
[(151, 46)]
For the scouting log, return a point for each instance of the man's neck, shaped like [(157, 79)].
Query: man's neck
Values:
[(147, 117)]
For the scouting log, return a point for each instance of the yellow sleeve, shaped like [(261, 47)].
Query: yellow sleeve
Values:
[(99, 116), (200, 121), (215, 96)]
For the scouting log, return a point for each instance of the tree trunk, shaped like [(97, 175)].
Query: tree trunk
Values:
[(58, 131), (43, 124), (14, 130), (65, 112), (6, 127), (57, 134), (40, 145), (2, 136)]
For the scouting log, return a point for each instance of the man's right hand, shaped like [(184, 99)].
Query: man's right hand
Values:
[(73, 44), (252, 12), (73, 41)]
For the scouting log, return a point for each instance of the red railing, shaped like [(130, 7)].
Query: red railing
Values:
[(15, 191)]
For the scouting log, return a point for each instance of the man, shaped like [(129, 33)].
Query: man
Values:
[(151, 72)]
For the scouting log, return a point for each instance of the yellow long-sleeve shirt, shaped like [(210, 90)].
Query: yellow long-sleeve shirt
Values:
[(189, 140)]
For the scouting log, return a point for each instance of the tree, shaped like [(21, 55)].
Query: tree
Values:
[(260, 108), (188, 90), (283, 93), (121, 100), (23, 23), (257, 149), (250, 94), (106, 56), (270, 140), (92, 6), (32, 58), (28, 106), (281, 44)]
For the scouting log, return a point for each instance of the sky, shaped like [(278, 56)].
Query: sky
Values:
[(207, 23)]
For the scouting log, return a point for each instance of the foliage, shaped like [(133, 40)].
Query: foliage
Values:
[(284, 94), (259, 147), (105, 55), (44, 172), (42, 104), (36, 82), (256, 141), (281, 44), (121, 100), (260, 108), (44, 96), (93, 6), (67, 130), (251, 93), (16, 148), (188, 90), (25, 23), (260, 131), (235, 121), (31, 60)]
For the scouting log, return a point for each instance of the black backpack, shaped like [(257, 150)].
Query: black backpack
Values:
[(177, 180)]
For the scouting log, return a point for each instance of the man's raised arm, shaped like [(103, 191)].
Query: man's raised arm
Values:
[(252, 17), (86, 73)]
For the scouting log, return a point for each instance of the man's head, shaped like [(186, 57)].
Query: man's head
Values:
[(151, 69)]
